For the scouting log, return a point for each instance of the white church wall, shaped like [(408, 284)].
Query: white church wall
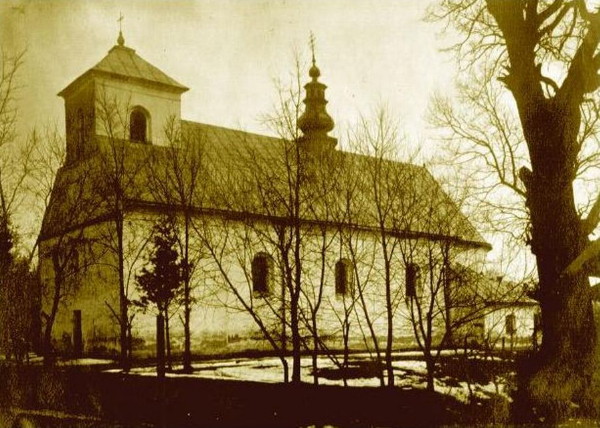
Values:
[(161, 105), (497, 324), (90, 287), (219, 321)]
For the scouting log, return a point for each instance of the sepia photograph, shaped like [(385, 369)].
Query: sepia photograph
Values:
[(299, 214)]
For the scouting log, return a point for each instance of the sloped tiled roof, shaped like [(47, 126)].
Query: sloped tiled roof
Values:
[(471, 285), (124, 63), (239, 168)]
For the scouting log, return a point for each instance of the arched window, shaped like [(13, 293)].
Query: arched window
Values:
[(413, 281), (344, 276), (138, 125), (262, 273)]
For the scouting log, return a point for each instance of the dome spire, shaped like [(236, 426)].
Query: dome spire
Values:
[(314, 71), (315, 122), (121, 39), (312, 47)]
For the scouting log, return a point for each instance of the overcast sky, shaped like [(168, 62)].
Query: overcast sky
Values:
[(370, 52), (229, 52)]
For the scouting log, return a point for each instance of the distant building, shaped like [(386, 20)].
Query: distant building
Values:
[(509, 318), (119, 109)]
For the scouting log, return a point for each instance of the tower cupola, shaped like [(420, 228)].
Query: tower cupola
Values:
[(315, 122)]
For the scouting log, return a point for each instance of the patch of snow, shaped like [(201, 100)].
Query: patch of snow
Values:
[(410, 365), (85, 362), (410, 374)]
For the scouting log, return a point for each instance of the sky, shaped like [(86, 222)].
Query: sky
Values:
[(230, 52), (371, 53)]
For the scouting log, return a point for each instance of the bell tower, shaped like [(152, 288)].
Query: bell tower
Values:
[(136, 98)]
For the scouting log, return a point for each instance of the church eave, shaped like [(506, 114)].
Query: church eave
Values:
[(90, 74), (133, 204)]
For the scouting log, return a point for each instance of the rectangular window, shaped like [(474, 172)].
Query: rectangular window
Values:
[(262, 264), (511, 324), (343, 277), (412, 281)]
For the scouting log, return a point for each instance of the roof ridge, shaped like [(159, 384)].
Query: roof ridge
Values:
[(224, 128)]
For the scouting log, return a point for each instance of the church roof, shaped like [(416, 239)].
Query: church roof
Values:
[(122, 62), (492, 291), (239, 168)]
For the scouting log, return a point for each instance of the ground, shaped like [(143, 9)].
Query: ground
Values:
[(248, 392), (409, 369)]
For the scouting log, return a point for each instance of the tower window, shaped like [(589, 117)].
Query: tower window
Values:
[(413, 281), (138, 125), (262, 267), (343, 277)]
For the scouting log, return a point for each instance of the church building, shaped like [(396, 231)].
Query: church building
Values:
[(285, 236)]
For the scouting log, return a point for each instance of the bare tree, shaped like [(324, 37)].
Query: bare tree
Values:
[(65, 249), (278, 177), (19, 318), (384, 179), (269, 187), (515, 41), (15, 156), (175, 181), (231, 247), (353, 202), (9, 87), (117, 173), (321, 191), (47, 157)]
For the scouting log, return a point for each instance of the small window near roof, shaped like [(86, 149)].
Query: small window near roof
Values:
[(511, 324), (138, 125), (343, 277), (262, 273)]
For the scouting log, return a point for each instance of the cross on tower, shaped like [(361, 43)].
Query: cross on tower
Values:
[(121, 39), (312, 46)]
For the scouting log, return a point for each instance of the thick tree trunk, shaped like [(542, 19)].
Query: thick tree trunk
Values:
[(430, 365), (557, 237), (286, 368)]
